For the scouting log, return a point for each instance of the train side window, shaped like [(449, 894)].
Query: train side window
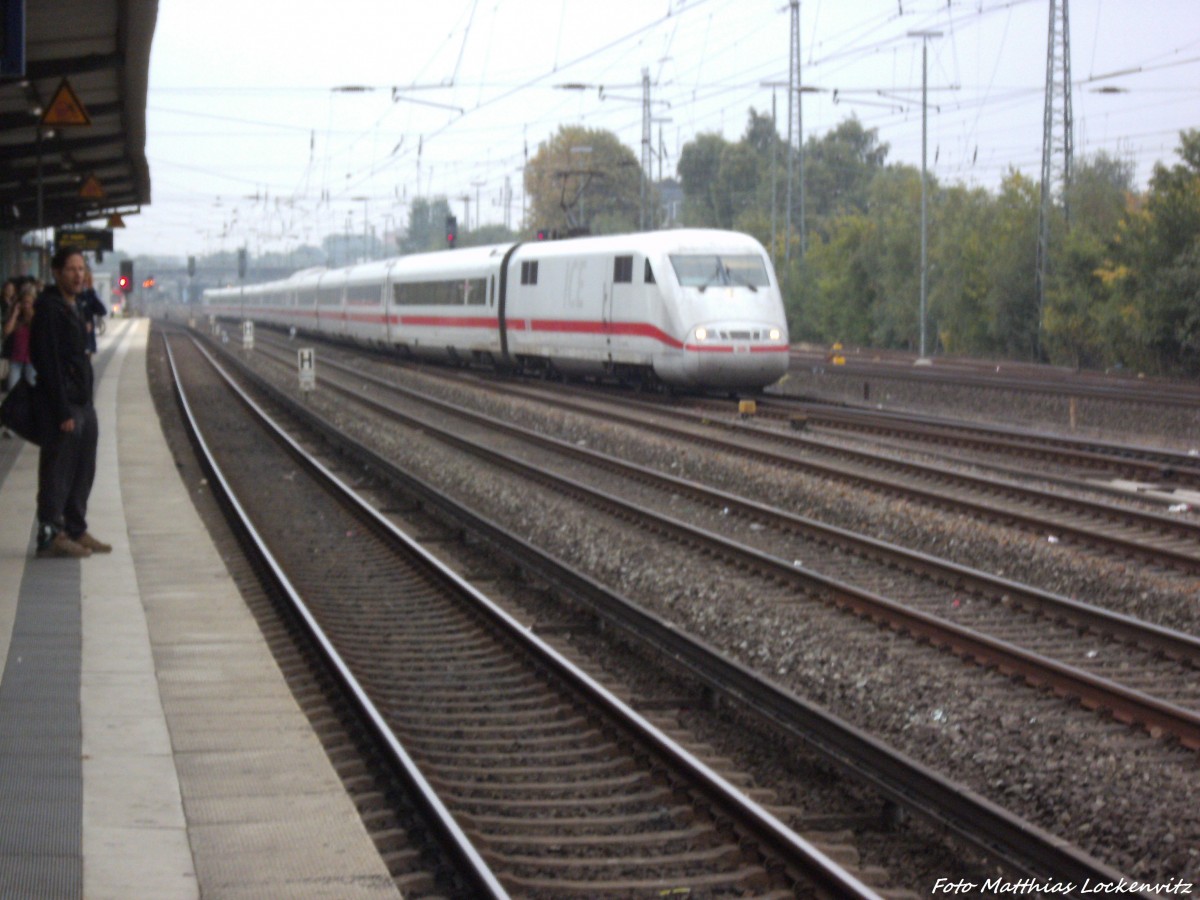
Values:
[(475, 292), (464, 292), (529, 272), (623, 270), (648, 277)]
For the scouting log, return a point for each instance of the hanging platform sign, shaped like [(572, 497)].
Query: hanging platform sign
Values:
[(86, 239), (65, 109), (91, 188)]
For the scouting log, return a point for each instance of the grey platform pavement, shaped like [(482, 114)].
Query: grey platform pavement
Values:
[(149, 747)]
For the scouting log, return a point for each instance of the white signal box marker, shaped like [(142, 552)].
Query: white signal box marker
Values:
[(307, 360), (247, 335)]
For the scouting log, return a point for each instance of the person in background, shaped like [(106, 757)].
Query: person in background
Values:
[(91, 308), (66, 415), (8, 299), (17, 328)]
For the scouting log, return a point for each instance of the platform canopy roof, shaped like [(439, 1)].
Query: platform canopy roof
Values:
[(100, 51)]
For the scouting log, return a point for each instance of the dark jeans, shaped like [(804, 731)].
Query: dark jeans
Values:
[(66, 470)]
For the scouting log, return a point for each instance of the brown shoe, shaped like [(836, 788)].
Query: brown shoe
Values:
[(63, 546), (86, 540)]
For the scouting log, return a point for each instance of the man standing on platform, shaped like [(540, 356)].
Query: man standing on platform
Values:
[(66, 416)]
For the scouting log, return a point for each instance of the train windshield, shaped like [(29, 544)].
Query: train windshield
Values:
[(704, 270)]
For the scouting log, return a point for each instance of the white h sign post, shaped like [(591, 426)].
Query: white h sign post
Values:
[(307, 360), (247, 335)]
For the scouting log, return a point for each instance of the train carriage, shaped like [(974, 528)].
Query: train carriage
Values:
[(364, 312), (689, 308), (445, 305)]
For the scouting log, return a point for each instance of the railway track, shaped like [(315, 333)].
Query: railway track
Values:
[(909, 785), (1149, 474), (431, 425), (1085, 462), (538, 779), (1005, 376), (1151, 537), (1130, 669)]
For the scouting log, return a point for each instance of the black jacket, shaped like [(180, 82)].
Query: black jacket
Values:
[(58, 351), (90, 307)]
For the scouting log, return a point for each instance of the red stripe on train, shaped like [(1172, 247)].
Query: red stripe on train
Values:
[(551, 326)]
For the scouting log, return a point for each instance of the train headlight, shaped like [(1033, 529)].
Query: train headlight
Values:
[(701, 333), (776, 334)]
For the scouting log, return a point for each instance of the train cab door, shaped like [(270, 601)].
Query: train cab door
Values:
[(388, 303), (620, 300), (606, 314)]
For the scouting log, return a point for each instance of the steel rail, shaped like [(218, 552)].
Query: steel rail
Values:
[(825, 874), (1146, 462), (471, 866), (1131, 547), (1174, 644), (1159, 392), (1021, 844), (1125, 704)]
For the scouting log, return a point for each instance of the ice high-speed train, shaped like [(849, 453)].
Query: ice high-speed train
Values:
[(687, 308)]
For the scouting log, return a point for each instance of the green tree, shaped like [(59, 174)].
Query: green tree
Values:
[(959, 248), (859, 281), (699, 164), (894, 204), (1155, 268), (1011, 305), (838, 170), (426, 225), (1078, 301), (735, 190), (1124, 278), (1099, 193), (584, 178), (843, 279)]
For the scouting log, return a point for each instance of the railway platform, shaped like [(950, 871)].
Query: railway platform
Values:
[(148, 744)]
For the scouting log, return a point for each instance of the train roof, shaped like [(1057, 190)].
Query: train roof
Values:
[(466, 261), (677, 240)]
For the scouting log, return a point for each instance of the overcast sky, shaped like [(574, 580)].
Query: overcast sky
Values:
[(253, 139)]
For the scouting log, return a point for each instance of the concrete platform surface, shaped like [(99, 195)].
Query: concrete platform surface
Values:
[(148, 744)]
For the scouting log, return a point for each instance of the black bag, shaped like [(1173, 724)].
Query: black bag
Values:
[(7, 349), (17, 414)]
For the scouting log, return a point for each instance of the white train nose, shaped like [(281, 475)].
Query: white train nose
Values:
[(729, 355)]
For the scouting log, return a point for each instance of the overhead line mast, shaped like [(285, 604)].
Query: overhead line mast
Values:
[(795, 129), (1056, 120)]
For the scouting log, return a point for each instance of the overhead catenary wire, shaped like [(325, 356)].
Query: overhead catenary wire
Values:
[(971, 144)]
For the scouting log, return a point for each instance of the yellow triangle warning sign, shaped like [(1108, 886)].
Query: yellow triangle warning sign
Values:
[(65, 108), (91, 188)]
